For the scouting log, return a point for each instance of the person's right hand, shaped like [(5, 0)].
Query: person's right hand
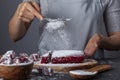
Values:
[(27, 11)]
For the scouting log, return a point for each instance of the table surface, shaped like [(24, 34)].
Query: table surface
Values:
[(113, 74)]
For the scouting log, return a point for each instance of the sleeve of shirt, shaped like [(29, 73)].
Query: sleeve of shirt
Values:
[(112, 16), (31, 1)]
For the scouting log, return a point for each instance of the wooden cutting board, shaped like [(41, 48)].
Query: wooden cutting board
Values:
[(87, 63)]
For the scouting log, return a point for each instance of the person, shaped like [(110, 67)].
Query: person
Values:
[(95, 24)]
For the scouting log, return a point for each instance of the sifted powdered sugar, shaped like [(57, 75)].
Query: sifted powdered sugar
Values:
[(83, 73), (54, 36), (9, 59), (54, 24), (63, 65), (20, 64), (64, 53)]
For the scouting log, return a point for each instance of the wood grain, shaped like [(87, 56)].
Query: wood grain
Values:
[(15, 72), (101, 68), (88, 63), (98, 68)]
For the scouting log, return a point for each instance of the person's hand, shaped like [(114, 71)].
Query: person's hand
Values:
[(27, 11), (93, 45)]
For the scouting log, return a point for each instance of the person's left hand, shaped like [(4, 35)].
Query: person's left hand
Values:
[(93, 45)]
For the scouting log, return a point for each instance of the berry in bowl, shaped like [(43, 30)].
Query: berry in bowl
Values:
[(15, 68)]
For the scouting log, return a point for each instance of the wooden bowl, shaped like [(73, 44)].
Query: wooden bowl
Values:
[(15, 72)]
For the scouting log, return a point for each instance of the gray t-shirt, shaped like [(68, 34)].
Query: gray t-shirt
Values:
[(87, 18)]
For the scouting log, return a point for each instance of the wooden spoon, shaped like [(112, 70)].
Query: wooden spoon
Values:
[(89, 73)]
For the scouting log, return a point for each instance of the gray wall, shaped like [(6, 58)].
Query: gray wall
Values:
[(29, 42)]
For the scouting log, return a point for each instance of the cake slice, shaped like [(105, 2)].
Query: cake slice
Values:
[(63, 56)]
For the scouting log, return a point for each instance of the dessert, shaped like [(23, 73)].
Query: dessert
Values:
[(35, 57), (22, 58), (45, 70), (7, 57), (63, 56), (14, 67), (10, 58)]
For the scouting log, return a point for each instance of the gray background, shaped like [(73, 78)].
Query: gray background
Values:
[(29, 43)]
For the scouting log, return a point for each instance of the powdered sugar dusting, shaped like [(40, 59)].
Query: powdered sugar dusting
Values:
[(54, 24), (64, 37), (64, 53), (83, 73), (9, 59), (20, 64), (50, 26), (46, 54), (63, 65), (55, 36)]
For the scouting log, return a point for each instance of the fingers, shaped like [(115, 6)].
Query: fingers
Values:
[(90, 49), (34, 11), (27, 17), (36, 6), (92, 45), (27, 11)]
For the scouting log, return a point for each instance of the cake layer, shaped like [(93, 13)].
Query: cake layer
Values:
[(63, 56)]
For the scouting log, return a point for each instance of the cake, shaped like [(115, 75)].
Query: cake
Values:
[(35, 57), (62, 57)]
